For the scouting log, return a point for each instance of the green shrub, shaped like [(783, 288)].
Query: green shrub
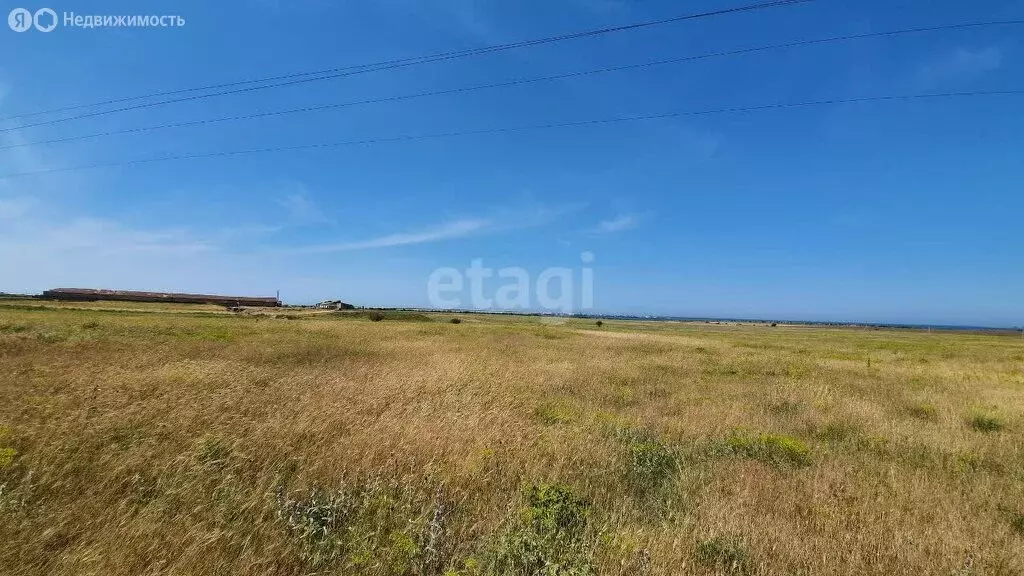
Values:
[(652, 464), (926, 412), (837, 431), (7, 457), (213, 451), (6, 454), (51, 337), (551, 537), (556, 412), (371, 526), (987, 423), (13, 328), (1017, 522), (725, 553), (776, 449), (456, 321)]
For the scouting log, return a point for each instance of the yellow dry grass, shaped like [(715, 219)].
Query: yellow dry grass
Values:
[(142, 440)]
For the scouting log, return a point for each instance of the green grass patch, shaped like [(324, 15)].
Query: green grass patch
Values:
[(726, 554), (382, 315), (924, 411), (651, 463), (1017, 523), (837, 431), (556, 412), (374, 526), (13, 328), (550, 539), (777, 449), (52, 337), (983, 422), (7, 457)]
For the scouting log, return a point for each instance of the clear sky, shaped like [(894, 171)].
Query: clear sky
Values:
[(883, 211)]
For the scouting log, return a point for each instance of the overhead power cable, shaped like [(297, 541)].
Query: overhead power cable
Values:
[(329, 74), (506, 130), (308, 109)]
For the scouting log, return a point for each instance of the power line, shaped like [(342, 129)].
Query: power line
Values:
[(332, 73), (506, 130), (511, 83)]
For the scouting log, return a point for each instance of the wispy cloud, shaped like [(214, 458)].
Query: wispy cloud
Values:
[(13, 208), (448, 231), (620, 223), (532, 214), (962, 63), (300, 210), (524, 215), (113, 236), (103, 237)]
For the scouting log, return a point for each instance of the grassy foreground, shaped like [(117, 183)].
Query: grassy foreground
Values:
[(138, 440)]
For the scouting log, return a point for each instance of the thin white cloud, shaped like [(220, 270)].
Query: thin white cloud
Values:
[(961, 63), (532, 214), (620, 223), (104, 237), (448, 231), (14, 208), (300, 210)]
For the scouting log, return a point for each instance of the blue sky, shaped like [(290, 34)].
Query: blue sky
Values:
[(893, 211)]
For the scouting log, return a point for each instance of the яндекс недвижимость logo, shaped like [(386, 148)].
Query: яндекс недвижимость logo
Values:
[(46, 20), (21, 19)]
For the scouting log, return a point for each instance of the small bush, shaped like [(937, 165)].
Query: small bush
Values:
[(775, 449), (213, 451), (556, 412), (456, 321), (13, 328), (724, 553), (652, 464), (550, 539), (926, 412), (7, 457), (837, 431), (375, 316), (987, 423), (51, 337), (372, 527), (1017, 522), (599, 323)]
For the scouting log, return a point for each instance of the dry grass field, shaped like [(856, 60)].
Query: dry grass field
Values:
[(138, 440)]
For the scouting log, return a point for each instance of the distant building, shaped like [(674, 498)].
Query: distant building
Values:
[(91, 295), (334, 305)]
